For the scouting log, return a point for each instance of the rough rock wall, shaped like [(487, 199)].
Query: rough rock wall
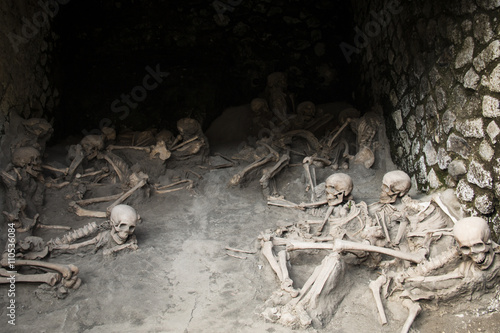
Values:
[(434, 66), (25, 64)]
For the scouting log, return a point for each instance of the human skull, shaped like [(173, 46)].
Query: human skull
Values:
[(306, 109), (188, 128), (259, 106), (165, 136), (395, 183), (38, 126), (92, 144), (474, 240), (338, 187), (28, 158), (123, 219)]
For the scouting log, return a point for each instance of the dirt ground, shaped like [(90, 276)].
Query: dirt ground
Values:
[(181, 279)]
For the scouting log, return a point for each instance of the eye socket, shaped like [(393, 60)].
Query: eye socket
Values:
[(123, 226), (478, 248), (465, 250)]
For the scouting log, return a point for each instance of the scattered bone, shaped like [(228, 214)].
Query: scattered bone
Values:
[(375, 287), (330, 142), (235, 256), (77, 158), (238, 250), (74, 207), (67, 271), (115, 147), (127, 194), (381, 222), (413, 310), (346, 246), (286, 282), (436, 198), (48, 278), (161, 150), (163, 189), (92, 173), (86, 202), (51, 168), (403, 223), (238, 178)]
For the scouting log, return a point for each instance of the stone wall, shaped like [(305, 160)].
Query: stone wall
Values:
[(434, 67), (26, 86)]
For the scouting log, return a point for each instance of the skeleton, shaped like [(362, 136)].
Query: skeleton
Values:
[(261, 115), (478, 269), (27, 158), (136, 180), (366, 128), (123, 220), (321, 294), (194, 142), (22, 179), (27, 251), (38, 133)]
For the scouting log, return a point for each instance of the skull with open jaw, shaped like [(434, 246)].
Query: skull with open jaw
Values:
[(474, 240)]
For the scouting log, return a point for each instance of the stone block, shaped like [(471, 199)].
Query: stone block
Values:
[(443, 158), (493, 130), (458, 145), (464, 56), (411, 126), (482, 28), (490, 53), (464, 191), (484, 203), (440, 98), (430, 153), (448, 120), (471, 128), (491, 107), (398, 119), (479, 176), (485, 151), (492, 82), (471, 79), (434, 182)]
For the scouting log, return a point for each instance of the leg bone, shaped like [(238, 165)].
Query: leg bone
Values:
[(375, 288)]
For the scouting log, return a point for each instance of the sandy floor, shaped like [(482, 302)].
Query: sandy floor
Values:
[(182, 280)]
